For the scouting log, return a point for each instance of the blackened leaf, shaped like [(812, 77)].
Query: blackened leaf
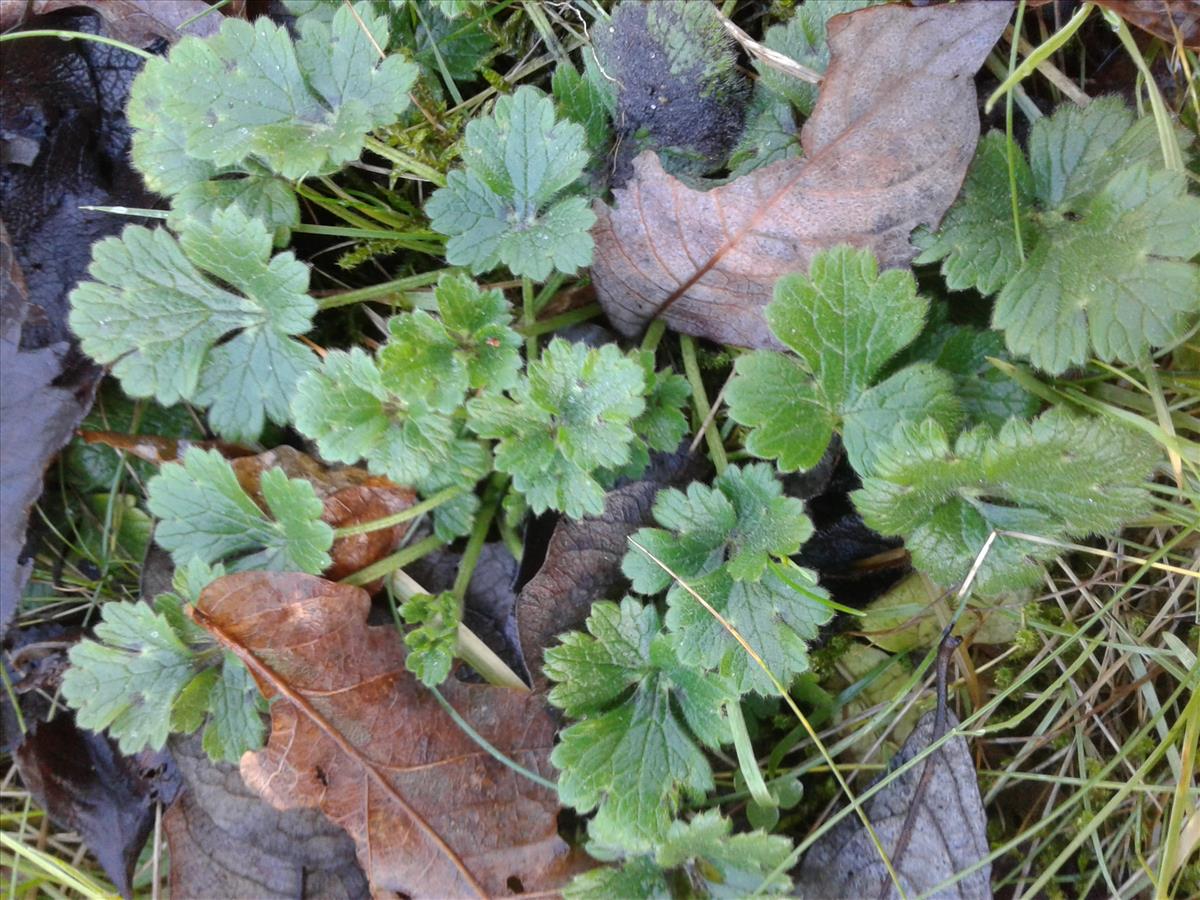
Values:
[(947, 832), (226, 842), (86, 785), (39, 418)]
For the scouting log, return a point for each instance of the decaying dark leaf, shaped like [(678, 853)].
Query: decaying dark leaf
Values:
[(86, 785), (583, 563), (225, 841), (136, 22), (929, 820), (355, 735), (885, 150), (42, 400)]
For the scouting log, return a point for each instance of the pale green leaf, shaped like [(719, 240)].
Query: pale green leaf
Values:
[(845, 321), (432, 642), (128, 679), (203, 512), (159, 309), (733, 865), (506, 206), (235, 707)]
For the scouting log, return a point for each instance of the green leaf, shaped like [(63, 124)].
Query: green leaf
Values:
[(249, 93), (1108, 238), (662, 425), (769, 136), (977, 240), (128, 680), (571, 416), (639, 878), (348, 410), (719, 540), (731, 865), (204, 513), (162, 312), (581, 100), (845, 321), (634, 756), (471, 347), (1059, 477), (432, 643), (505, 207), (235, 707), (218, 119)]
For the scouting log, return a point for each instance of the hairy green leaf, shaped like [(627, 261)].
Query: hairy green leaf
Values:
[(718, 540), (235, 707), (128, 680), (506, 207), (844, 321), (204, 513), (1059, 477), (572, 415), (163, 311), (633, 756), (470, 347), (432, 642), (1108, 239)]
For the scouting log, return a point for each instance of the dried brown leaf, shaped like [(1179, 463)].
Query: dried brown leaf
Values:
[(885, 150), (355, 735), (1158, 16), (944, 834)]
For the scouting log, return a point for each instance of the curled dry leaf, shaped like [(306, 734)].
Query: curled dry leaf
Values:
[(885, 150), (931, 823), (355, 735)]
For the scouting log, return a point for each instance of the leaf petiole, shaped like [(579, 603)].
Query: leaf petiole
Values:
[(405, 515)]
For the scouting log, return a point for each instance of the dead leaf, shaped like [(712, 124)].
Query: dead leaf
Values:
[(43, 398), (583, 563), (930, 821), (86, 785), (355, 735), (225, 841), (885, 150), (1158, 16), (156, 449), (136, 22)]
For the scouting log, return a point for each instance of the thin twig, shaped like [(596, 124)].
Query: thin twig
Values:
[(772, 58)]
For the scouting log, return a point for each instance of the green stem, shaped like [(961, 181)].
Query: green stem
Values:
[(417, 509), (548, 291), (562, 320), (691, 367), (1041, 53), (378, 291), (653, 335), (492, 751), (746, 759), (404, 161), (1011, 144), (529, 316), (397, 560), (78, 35), (479, 533)]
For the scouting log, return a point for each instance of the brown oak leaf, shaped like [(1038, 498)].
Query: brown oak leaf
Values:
[(432, 814), (885, 150)]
